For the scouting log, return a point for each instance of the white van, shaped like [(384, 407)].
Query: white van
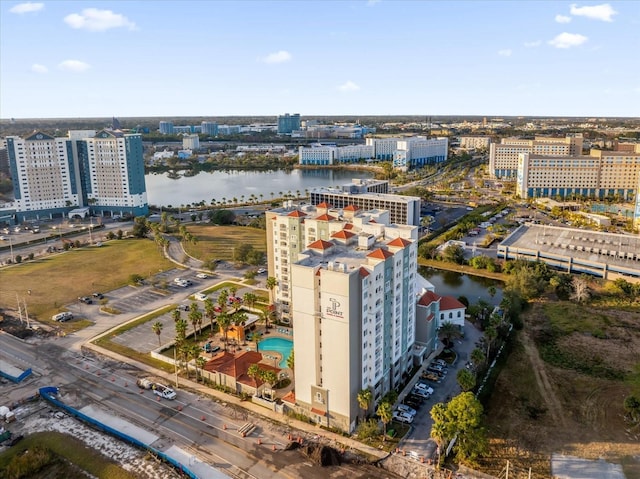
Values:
[(66, 316)]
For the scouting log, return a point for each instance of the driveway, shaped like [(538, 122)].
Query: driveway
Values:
[(419, 438)]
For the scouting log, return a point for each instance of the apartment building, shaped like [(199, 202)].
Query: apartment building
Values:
[(288, 123), (166, 127), (477, 142), (410, 152), (190, 142), (402, 209), (346, 280), (503, 156), (51, 176), (599, 175)]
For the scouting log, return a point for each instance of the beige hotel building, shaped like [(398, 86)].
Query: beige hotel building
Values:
[(503, 156), (599, 175), (347, 281)]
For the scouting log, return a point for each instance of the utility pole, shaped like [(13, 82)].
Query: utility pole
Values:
[(175, 363)]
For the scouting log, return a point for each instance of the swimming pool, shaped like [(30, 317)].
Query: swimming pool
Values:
[(280, 345)]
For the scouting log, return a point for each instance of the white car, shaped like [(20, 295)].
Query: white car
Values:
[(402, 417), (202, 275), (424, 387), (407, 409), (421, 393), (262, 270), (200, 296)]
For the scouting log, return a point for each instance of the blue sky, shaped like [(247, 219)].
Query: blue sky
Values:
[(183, 58)]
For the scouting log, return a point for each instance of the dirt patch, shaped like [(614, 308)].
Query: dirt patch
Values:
[(321, 455), (569, 407)]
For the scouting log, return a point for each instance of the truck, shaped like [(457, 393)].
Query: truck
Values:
[(164, 391), (145, 383)]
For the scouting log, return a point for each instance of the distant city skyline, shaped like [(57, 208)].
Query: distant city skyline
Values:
[(164, 59)]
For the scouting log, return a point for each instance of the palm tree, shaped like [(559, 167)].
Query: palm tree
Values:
[(194, 352), (291, 361), (181, 330), (271, 284), (249, 299), (223, 297), (364, 400), (256, 337), (195, 315), (224, 321), (385, 413), (200, 362), (265, 316), (269, 377), (447, 331), (254, 372), (176, 315), (233, 289), (209, 311), (157, 328), (477, 356)]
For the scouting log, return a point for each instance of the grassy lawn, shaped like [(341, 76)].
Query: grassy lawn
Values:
[(42, 454), (58, 280), (217, 242)]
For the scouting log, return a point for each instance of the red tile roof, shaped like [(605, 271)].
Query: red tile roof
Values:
[(319, 412), (428, 298), (290, 397), (323, 205), (348, 226), (297, 214), (343, 234), (326, 217), (351, 208), (320, 244), (380, 254), (449, 302), (401, 242), (364, 272)]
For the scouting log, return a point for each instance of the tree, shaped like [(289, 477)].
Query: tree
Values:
[(364, 400), (454, 254), (466, 379), (140, 227), (195, 316), (157, 328), (256, 338), (181, 330), (271, 284), (291, 361), (254, 372), (448, 331), (176, 315), (194, 353), (210, 311), (200, 362), (224, 321), (477, 356), (632, 408), (385, 413), (249, 299), (462, 418), (580, 289), (269, 376)]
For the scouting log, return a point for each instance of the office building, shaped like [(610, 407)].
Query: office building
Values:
[(503, 156), (288, 123), (346, 280), (190, 142), (209, 128), (51, 176), (317, 154), (166, 127), (403, 210), (410, 152), (599, 175)]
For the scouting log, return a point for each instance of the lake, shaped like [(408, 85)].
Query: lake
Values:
[(474, 288), (229, 184)]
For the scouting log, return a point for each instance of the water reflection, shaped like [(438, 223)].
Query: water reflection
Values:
[(451, 283)]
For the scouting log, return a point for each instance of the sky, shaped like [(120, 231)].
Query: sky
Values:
[(367, 57)]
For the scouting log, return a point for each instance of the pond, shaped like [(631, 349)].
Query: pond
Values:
[(451, 283), (264, 185)]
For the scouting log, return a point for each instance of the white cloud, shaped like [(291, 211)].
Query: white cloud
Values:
[(37, 68), (96, 20), (568, 40), (74, 66), (27, 7), (371, 3), (348, 86), (537, 43), (281, 56), (505, 53), (562, 19), (603, 12)]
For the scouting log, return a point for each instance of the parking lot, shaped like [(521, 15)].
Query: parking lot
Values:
[(418, 441)]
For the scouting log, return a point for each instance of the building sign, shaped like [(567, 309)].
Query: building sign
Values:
[(333, 307)]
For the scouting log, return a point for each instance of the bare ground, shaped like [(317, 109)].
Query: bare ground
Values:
[(538, 409)]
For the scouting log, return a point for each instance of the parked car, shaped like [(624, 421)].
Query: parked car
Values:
[(164, 391), (202, 275), (98, 295), (200, 296), (407, 409), (85, 299), (413, 401), (432, 377), (402, 417), (424, 387), (262, 271), (421, 392), (183, 307), (62, 317)]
